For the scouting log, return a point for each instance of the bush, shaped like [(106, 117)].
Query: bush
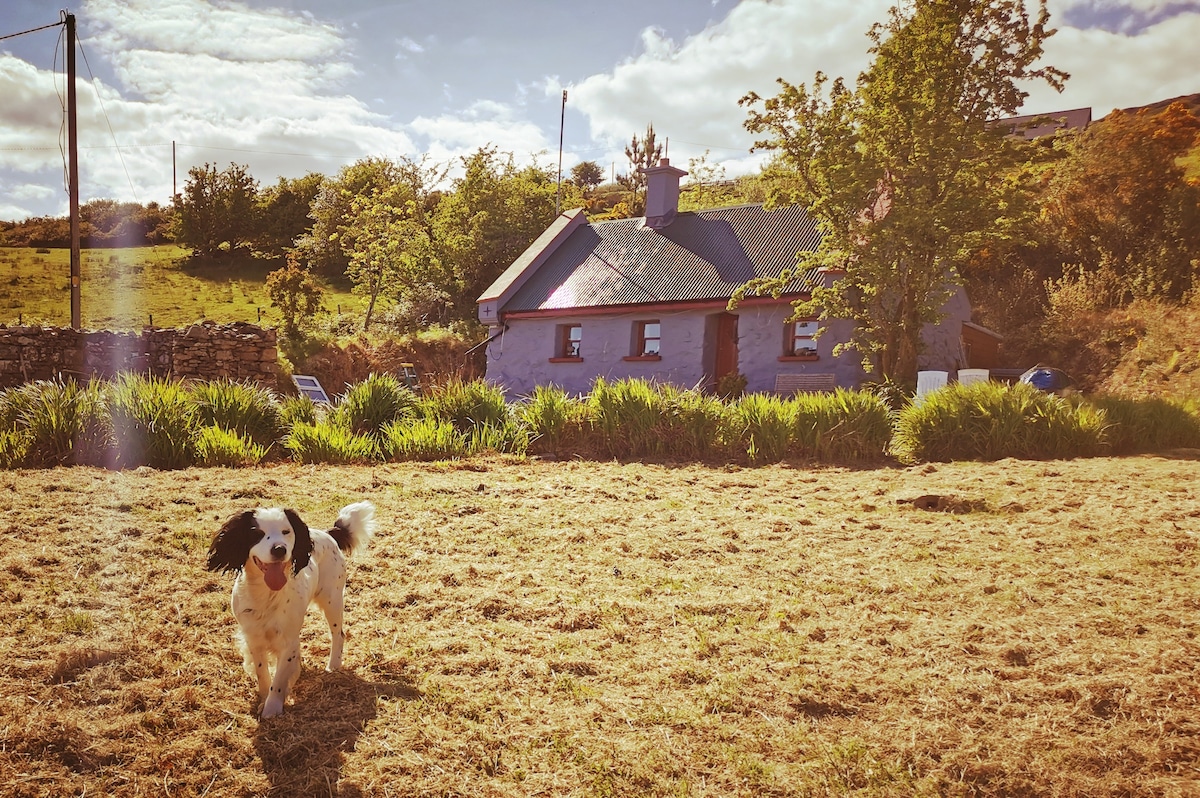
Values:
[(297, 410), (14, 445), (328, 442), (220, 447), (241, 408), (426, 439), (691, 425), (762, 425), (368, 406), (467, 404), (154, 422), (511, 437), (990, 421)]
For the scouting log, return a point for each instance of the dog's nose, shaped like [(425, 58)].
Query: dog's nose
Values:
[(279, 551)]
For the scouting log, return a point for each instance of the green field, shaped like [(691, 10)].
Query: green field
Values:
[(140, 286)]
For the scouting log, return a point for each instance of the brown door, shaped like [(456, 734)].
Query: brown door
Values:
[(727, 345)]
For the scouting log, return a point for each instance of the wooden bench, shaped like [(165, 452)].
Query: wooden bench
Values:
[(788, 384)]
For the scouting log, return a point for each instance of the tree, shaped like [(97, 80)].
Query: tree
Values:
[(389, 240), (642, 154), (494, 213), (1120, 206), (283, 213), (217, 211), (331, 211), (297, 295), (904, 173), (587, 175)]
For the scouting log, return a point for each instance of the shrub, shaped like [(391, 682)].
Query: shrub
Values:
[(990, 421), (425, 439), (553, 419), (14, 445), (368, 406), (841, 426), (762, 426), (221, 447), (242, 408), (327, 442), (511, 437), (467, 404), (154, 422), (624, 414), (1147, 425)]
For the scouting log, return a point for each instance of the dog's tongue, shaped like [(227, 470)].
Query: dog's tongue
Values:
[(273, 574)]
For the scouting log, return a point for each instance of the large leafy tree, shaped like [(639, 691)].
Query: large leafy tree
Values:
[(903, 172), (388, 237), (283, 213), (587, 175), (217, 212), (1120, 207), (495, 211)]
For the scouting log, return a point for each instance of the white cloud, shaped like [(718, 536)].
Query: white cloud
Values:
[(452, 135)]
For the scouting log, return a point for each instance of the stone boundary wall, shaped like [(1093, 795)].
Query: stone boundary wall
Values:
[(205, 351)]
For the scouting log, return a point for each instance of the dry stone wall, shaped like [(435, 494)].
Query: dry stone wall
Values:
[(205, 351)]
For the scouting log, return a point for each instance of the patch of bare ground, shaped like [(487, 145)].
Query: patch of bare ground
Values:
[(580, 628)]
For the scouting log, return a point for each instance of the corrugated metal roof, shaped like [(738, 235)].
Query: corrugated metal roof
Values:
[(700, 255)]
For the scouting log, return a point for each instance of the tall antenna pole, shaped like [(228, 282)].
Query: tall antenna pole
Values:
[(174, 190), (561, 124), (73, 171)]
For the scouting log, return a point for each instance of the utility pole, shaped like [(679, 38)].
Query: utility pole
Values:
[(561, 124), (73, 171), (174, 190)]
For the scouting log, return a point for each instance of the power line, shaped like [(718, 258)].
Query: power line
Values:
[(31, 30), (111, 132)]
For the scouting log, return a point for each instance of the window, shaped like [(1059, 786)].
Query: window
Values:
[(647, 337), (801, 340), (570, 339)]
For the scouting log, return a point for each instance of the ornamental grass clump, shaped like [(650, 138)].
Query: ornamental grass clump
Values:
[(426, 439), (991, 421), (511, 437), (245, 409), (216, 446), (555, 421), (294, 410), (625, 416), (64, 423), (840, 426), (762, 425), (154, 422), (1147, 425), (467, 404), (370, 405), (691, 425), (329, 442)]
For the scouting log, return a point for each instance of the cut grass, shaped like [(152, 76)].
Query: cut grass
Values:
[(586, 629), (126, 288)]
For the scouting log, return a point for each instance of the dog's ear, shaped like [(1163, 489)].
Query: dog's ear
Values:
[(231, 547), (302, 548)]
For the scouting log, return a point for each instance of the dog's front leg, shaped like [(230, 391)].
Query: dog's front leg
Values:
[(258, 666), (286, 672)]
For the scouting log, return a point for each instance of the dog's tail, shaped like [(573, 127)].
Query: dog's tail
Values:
[(354, 527)]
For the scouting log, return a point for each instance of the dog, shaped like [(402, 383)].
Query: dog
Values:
[(281, 568)]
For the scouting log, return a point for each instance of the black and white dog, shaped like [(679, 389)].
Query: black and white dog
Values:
[(281, 568)]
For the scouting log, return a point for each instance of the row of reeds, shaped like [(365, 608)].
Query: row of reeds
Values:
[(137, 420)]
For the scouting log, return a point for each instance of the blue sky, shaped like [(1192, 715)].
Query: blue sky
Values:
[(294, 86)]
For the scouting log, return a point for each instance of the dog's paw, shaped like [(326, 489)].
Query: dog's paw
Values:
[(272, 708)]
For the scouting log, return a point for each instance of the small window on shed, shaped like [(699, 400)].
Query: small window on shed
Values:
[(570, 340)]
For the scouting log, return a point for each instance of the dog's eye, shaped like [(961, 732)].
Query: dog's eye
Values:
[(287, 531)]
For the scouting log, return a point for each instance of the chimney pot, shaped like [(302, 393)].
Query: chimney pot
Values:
[(662, 193)]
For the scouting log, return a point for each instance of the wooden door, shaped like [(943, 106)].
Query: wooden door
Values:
[(727, 345)]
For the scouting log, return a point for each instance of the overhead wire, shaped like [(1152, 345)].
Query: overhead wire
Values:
[(108, 121)]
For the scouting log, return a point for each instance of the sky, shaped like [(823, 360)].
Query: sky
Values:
[(288, 87)]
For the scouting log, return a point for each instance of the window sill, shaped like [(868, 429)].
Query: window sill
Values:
[(566, 360), (798, 358), (640, 358)]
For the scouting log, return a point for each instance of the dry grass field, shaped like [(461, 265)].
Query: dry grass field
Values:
[(592, 629)]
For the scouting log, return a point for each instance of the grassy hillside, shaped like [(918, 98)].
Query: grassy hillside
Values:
[(128, 288), (607, 629)]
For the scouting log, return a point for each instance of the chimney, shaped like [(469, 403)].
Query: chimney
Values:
[(662, 194)]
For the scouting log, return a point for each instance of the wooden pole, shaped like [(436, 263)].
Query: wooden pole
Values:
[(73, 172), (561, 124)]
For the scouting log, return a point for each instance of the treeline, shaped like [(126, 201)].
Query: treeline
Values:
[(103, 223)]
